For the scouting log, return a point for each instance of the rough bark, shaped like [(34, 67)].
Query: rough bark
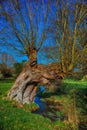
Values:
[(32, 57), (26, 85)]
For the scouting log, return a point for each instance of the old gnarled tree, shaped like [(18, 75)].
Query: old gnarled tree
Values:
[(28, 25), (26, 85)]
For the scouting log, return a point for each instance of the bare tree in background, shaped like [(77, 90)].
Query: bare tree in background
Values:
[(6, 64), (70, 33)]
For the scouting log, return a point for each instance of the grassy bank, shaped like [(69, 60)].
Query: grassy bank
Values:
[(72, 97)]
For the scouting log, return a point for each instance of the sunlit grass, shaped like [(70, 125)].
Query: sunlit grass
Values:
[(5, 85), (14, 118), (18, 119), (76, 82)]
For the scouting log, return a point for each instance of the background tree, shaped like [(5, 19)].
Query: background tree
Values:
[(6, 64), (69, 27)]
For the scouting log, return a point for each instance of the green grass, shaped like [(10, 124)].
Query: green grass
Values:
[(17, 119), (76, 83), (14, 118), (5, 85)]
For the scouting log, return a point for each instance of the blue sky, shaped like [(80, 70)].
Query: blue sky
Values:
[(19, 57)]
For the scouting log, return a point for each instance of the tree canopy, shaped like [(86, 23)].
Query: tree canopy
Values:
[(28, 24)]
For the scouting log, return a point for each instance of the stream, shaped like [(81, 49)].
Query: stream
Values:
[(52, 109), (47, 108)]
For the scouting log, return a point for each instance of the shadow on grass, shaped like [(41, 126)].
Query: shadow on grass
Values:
[(52, 110), (80, 93), (7, 80)]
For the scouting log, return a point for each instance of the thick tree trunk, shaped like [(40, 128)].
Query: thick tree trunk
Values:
[(26, 85), (33, 57), (21, 89)]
